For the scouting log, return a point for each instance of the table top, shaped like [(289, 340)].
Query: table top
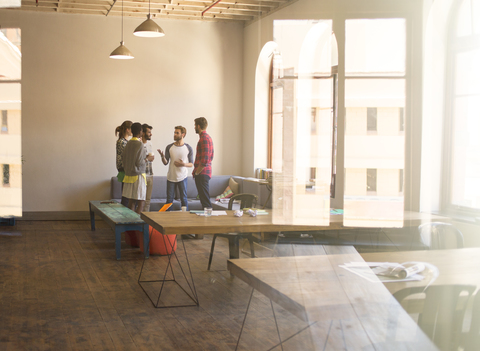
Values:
[(315, 288), (457, 266), (116, 212), (189, 223)]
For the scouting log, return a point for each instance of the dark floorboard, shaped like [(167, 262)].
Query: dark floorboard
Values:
[(61, 288)]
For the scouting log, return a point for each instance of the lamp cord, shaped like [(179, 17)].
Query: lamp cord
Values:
[(122, 22)]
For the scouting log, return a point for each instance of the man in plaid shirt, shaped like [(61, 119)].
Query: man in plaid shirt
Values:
[(202, 168)]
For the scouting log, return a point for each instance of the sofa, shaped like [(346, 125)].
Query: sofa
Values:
[(218, 184)]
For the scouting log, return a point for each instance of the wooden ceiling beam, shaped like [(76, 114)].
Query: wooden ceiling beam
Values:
[(225, 10), (257, 2), (83, 7), (193, 4), (89, 2), (53, 9)]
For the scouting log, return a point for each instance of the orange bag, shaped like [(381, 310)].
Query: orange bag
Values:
[(131, 237), (159, 244)]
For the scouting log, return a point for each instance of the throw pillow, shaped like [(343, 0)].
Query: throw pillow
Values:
[(233, 185), (225, 195)]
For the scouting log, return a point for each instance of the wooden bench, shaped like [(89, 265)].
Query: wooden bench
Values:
[(120, 219)]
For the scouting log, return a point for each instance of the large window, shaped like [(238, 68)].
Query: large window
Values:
[(10, 123), (375, 94), (462, 147), (303, 120)]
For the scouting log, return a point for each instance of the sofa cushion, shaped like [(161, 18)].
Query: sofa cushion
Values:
[(159, 189), (218, 184), (226, 194), (191, 188), (115, 188), (233, 184), (239, 181)]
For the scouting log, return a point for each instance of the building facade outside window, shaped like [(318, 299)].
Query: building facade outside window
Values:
[(6, 175), (375, 98), (4, 128), (10, 123), (302, 119)]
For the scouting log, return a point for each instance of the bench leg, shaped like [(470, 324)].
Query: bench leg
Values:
[(92, 217), (118, 241), (146, 241)]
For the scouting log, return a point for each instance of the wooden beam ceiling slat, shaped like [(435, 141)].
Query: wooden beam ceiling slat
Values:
[(236, 10), (189, 4)]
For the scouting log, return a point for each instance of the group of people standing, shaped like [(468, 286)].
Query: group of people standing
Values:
[(135, 157)]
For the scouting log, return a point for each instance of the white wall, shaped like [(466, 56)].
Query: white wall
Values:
[(74, 96)]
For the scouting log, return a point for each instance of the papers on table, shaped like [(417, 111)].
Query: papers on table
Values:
[(259, 212), (385, 272), (214, 213)]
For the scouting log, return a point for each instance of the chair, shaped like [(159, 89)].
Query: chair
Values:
[(441, 317), (439, 236), (246, 201), (471, 339)]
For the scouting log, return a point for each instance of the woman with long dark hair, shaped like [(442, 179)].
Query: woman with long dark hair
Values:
[(123, 131)]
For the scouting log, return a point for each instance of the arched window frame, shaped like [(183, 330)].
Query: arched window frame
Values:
[(455, 45), (276, 83)]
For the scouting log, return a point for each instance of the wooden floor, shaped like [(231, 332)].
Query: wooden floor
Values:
[(61, 288)]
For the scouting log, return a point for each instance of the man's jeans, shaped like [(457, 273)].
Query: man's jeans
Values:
[(149, 193), (182, 189), (202, 183)]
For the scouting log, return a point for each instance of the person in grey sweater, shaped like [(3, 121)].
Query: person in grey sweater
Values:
[(134, 159)]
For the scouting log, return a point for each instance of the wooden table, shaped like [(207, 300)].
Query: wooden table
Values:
[(179, 223), (120, 219), (188, 223), (457, 266), (317, 290)]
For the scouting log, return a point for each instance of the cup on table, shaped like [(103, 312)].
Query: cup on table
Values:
[(207, 211), (184, 208)]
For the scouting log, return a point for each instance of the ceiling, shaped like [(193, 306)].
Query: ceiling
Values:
[(216, 10)]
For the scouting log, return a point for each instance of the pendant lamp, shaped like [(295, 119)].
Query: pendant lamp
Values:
[(121, 53), (148, 28)]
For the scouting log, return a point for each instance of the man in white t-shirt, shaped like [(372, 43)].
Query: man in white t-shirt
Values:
[(147, 145), (181, 155)]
